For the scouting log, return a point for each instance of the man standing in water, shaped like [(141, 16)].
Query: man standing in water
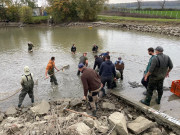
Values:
[(84, 60), (107, 71), (120, 66), (73, 49), (30, 47), (160, 67), (27, 86), (145, 83), (95, 49), (50, 70), (92, 85)]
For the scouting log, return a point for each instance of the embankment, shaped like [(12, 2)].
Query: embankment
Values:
[(115, 116)]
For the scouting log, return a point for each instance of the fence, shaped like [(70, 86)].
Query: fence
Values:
[(157, 13)]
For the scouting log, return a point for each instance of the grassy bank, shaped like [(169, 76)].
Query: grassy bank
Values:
[(132, 19), (39, 19)]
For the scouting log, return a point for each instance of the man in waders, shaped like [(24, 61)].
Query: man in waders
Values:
[(160, 67), (92, 85), (119, 64), (145, 83), (30, 47), (83, 59), (107, 71), (27, 86), (73, 49), (50, 70)]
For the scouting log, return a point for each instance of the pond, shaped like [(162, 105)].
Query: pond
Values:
[(57, 41)]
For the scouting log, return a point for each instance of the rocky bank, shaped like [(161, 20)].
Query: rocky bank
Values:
[(170, 30), (114, 117), (142, 27)]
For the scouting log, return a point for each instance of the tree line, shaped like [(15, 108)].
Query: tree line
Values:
[(60, 10)]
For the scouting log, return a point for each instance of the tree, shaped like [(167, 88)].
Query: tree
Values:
[(29, 3), (162, 4), (5, 3), (26, 14), (88, 9), (60, 10), (2, 13), (12, 13), (139, 4)]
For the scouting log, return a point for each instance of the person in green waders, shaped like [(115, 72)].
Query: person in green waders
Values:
[(27, 83), (50, 70)]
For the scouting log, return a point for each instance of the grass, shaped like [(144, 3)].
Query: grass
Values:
[(120, 18), (39, 19), (173, 14)]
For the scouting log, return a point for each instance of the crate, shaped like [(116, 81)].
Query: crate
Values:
[(175, 87)]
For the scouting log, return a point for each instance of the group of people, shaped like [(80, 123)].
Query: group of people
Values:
[(157, 69), (94, 80)]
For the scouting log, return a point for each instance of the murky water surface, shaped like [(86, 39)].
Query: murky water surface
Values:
[(131, 46)]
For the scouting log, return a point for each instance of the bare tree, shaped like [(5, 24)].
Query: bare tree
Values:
[(139, 4), (162, 4)]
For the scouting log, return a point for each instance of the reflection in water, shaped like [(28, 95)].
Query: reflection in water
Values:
[(56, 41)]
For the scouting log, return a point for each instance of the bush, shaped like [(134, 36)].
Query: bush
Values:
[(26, 14), (12, 13)]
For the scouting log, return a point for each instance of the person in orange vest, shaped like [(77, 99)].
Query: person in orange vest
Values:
[(50, 70)]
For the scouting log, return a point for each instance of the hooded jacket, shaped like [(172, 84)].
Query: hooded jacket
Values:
[(107, 69)]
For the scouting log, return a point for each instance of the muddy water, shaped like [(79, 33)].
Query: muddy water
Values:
[(131, 46)]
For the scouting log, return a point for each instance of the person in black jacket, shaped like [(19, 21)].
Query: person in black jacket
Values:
[(107, 70), (95, 49), (98, 62), (73, 49)]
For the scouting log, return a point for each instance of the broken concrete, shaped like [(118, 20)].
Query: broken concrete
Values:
[(139, 125), (55, 121), (76, 102), (41, 108), (1, 116), (118, 122), (80, 129), (11, 111), (108, 106)]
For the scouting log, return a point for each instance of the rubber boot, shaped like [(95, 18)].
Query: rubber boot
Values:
[(55, 83), (89, 106), (32, 100), (96, 106), (19, 106), (104, 93), (94, 113), (158, 100), (146, 101)]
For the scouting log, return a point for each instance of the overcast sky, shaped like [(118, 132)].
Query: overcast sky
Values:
[(125, 1)]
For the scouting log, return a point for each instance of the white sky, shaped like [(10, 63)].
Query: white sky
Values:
[(126, 1)]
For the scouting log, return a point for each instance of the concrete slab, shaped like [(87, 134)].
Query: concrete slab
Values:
[(158, 116)]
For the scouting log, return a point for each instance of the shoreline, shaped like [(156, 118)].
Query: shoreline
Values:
[(164, 29), (52, 117)]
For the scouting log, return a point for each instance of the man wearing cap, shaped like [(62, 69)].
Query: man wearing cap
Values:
[(145, 83), (84, 60), (50, 70), (103, 55), (27, 86), (160, 67), (92, 85), (120, 66)]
